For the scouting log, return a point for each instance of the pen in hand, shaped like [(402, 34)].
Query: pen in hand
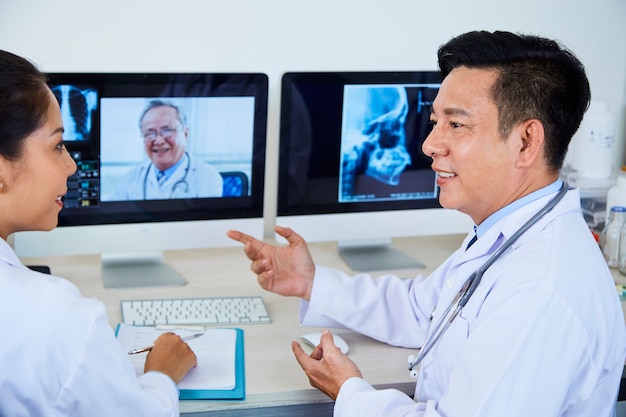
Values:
[(149, 348)]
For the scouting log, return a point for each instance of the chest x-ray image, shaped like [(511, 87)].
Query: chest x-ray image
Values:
[(77, 106)]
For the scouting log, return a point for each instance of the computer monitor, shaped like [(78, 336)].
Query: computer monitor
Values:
[(351, 167), (108, 210)]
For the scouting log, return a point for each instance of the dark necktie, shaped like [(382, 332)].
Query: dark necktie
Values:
[(471, 242)]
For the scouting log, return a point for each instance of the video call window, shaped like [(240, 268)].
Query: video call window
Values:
[(219, 132)]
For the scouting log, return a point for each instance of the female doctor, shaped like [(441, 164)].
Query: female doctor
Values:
[(171, 171), (59, 355)]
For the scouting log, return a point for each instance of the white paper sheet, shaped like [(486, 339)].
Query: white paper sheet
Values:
[(215, 351)]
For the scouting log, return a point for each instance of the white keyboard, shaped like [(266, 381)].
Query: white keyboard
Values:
[(195, 311)]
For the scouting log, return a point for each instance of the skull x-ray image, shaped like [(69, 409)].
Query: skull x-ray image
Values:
[(373, 135), (77, 108)]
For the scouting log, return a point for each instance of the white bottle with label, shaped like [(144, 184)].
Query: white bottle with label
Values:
[(611, 235), (594, 142), (616, 196)]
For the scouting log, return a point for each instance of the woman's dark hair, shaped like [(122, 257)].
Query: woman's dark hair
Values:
[(24, 101), (538, 79)]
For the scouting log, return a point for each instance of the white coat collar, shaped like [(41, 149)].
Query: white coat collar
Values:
[(510, 224), (8, 255)]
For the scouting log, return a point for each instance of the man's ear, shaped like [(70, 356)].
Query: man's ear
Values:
[(4, 169), (531, 140)]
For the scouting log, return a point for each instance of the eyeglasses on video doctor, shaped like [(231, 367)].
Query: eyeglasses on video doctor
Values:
[(165, 133)]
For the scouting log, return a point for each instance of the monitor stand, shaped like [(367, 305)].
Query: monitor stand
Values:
[(137, 270), (378, 255)]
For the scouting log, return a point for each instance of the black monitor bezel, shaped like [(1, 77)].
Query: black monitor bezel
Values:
[(178, 85), (310, 205)]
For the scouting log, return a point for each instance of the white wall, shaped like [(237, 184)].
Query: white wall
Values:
[(275, 36)]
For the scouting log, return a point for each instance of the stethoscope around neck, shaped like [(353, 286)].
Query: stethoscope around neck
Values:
[(181, 184), (472, 282)]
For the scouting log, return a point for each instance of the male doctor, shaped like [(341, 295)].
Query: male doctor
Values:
[(171, 172), (543, 334)]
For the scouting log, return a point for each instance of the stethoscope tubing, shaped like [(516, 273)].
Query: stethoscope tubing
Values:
[(474, 279), (182, 181)]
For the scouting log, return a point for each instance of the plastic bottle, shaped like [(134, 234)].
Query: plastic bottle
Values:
[(616, 196), (621, 261), (611, 235), (594, 142)]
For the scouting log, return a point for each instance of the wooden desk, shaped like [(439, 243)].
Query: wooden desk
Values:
[(275, 384)]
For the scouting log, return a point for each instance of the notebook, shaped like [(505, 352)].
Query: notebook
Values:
[(220, 373)]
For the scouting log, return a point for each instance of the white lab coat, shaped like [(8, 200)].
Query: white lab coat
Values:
[(199, 179), (543, 335), (59, 356)]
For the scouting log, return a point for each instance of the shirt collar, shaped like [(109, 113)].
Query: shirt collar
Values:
[(169, 171), (482, 228)]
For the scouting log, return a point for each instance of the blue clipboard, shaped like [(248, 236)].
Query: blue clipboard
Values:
[(237, 393)]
